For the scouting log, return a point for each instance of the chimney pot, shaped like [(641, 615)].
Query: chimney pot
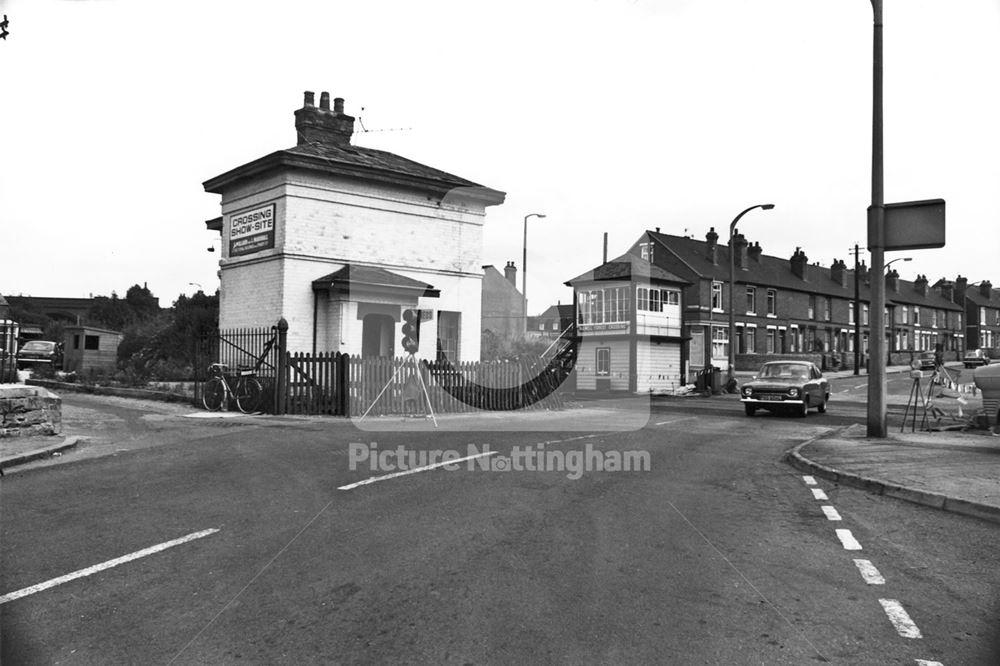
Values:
[(310, 98), (324, 101), (510, 272), (338, 104)]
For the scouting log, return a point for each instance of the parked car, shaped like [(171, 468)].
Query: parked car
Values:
[(927, 360), (37, 352), (795, 386), (975, 357)]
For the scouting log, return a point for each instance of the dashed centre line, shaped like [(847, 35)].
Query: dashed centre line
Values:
[(819, 494), (810, 480), (900, 619), (869, 573), (394, 475), (831, 513), (925, 662), (11, 596), (847, 540)]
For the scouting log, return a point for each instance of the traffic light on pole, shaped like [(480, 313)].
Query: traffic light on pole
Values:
[(411, 330)]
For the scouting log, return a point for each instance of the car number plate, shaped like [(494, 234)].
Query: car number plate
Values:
[(770, 396)]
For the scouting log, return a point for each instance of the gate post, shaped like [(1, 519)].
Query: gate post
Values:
[(281, 372)]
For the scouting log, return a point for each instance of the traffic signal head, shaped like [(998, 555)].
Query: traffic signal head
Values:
[(411, 330)]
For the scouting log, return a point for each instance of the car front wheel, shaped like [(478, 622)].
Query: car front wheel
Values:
[(803, 409), (822, 405), (750, 409)]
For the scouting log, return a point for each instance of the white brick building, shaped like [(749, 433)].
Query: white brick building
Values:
[(339, 239)]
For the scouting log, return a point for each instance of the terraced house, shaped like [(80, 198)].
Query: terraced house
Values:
[(791, 306), (982, 310)]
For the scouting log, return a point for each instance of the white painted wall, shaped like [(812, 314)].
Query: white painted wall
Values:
[(324, 222)]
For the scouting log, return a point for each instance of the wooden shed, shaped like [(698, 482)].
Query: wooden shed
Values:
[(87, 349)]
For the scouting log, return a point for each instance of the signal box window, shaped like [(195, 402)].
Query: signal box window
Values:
[(603, 361)]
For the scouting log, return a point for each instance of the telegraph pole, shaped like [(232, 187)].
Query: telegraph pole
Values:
[(857, 312)]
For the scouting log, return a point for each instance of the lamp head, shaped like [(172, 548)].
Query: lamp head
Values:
[(767, 206)]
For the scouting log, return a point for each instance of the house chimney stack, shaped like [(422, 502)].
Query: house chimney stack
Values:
[(711, 243), (961, 286), (798, 262), (739, 250), (321, 126), (892, 280), (985, 289), (510, 272), (755, 251), (838, 271), (920, 284)]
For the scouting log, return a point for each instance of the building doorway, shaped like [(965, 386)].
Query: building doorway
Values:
[(376, 335)]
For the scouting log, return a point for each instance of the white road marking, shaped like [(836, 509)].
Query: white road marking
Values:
[(570, 439), (869, 572), (924, 662), (819, 494), (386, 477), (848, 540), (861, 386), (900, 619), (831, 513), (810, 480), (11, 596), (686, 418)]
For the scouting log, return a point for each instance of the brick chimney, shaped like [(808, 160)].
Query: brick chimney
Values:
[(321, 125), (755, 251), (510, 272), (739, 250), (863, 272), (920, 284), (961, 286), (838, 271), (985, 289), (799, 261), (711, 245), (892, 280)]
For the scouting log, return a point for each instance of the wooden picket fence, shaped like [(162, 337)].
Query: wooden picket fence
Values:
[(452, 388), (343, 385)]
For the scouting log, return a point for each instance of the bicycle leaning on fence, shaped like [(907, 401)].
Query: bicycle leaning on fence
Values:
[(217, 391)]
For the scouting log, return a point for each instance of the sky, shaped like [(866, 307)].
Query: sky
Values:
[(606, 116)]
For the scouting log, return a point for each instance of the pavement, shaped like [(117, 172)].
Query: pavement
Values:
[(954, 469)]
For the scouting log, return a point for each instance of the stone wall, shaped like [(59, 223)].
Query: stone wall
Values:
[(29, 410)]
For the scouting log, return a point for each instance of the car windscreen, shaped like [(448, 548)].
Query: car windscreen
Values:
[(785, 370), (38, 346)]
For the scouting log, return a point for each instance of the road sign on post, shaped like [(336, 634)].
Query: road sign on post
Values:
[(911, 225)]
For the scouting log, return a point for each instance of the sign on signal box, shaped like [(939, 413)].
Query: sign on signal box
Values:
[(912, 225)]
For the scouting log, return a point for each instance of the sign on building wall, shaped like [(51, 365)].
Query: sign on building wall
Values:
[(251, 231)]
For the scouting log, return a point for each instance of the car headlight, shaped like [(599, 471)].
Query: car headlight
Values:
[(747, 390), (794, 392)]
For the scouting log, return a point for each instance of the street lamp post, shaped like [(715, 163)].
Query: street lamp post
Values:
[(895, 260), (732, 288), (524, 268), (877, 404)]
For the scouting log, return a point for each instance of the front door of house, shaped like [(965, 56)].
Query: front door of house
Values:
[(376, 335)]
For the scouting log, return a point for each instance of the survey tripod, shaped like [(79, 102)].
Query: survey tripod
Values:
[(411, 359), (925, 401)]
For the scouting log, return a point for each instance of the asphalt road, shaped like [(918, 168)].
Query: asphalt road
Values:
[(717, 554)]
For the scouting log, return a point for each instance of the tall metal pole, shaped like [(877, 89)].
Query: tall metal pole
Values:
[(732, 287), (524, 269), (876, 245), (857, 311)]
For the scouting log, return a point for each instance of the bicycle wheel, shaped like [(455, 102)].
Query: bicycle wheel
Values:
[(248, 394), (214, 394)]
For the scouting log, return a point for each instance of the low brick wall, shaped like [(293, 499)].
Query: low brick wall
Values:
[(29, 410)]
